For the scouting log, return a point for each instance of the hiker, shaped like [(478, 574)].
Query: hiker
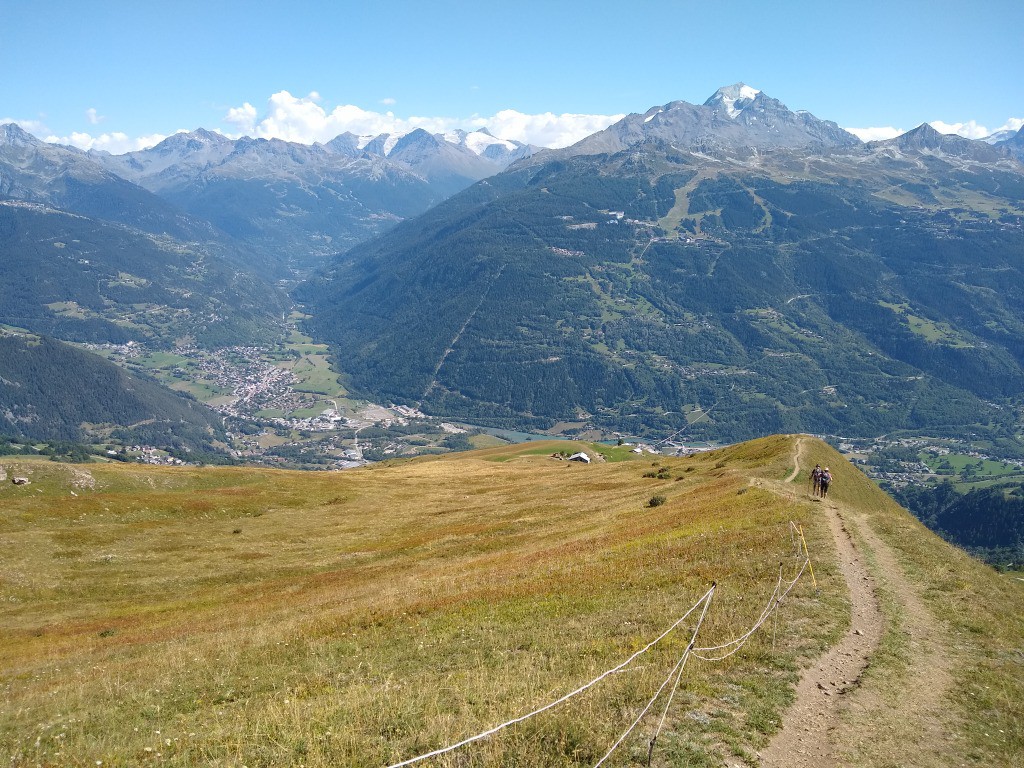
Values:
[(816, 479), (825, 482)]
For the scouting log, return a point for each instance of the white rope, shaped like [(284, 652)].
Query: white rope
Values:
[(564, 698), (764, 614), (739, 642), (794, 534), (672, 694), (679, 666), (677, 671)]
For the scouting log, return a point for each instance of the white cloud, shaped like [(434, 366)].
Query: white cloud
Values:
[(1013, 124), (34, 127), (243, 118), (546, 129), (876, 134), (969, 130), (388, 102), (304, 120), (116, 143)]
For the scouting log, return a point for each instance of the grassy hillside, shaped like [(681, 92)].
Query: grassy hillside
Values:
[(232, 616)]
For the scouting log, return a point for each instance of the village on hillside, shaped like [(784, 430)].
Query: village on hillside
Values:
[(285, 408)]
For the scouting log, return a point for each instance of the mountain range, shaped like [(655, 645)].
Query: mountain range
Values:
[(719, 270), (286, 205), (298, 203)]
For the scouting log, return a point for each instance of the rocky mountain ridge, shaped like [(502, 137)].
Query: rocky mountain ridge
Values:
[(472, 155), (281, 201), (735, 120)]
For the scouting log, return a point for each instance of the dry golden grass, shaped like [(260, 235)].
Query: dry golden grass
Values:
[(234, 616)]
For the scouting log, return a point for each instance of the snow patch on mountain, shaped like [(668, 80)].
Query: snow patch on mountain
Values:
[(1008, 131), (389, 144), (746, 92), (733, 98), (479, 141)]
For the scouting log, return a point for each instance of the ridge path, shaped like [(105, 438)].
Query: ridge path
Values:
[(838, 718)]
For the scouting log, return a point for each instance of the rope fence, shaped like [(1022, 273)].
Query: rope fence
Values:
[(733, 646), (773, 604), (679, 666), (566, 697)]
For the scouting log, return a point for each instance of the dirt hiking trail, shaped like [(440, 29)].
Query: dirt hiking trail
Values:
[(841, 716)]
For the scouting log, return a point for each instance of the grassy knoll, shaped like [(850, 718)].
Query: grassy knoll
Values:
[(234, 616), (484, 440)]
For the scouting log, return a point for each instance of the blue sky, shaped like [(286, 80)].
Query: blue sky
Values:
[(119, 75)]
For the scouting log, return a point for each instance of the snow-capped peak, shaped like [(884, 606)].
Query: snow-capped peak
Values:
[(478, 141), (1001, 135), (733, 98)]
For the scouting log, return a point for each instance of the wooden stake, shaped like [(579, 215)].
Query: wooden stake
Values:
[(808, 556)]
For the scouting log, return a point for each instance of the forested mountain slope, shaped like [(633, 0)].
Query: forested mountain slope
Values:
[(824, 286), (50, 391), (84, 279)]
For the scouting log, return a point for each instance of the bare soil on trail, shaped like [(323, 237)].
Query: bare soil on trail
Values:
[(910, 717), (840, 716)]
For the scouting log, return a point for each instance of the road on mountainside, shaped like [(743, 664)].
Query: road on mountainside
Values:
[(839, 718)]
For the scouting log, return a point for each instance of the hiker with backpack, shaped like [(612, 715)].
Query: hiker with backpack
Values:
[(824, 482), (816, 479)]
